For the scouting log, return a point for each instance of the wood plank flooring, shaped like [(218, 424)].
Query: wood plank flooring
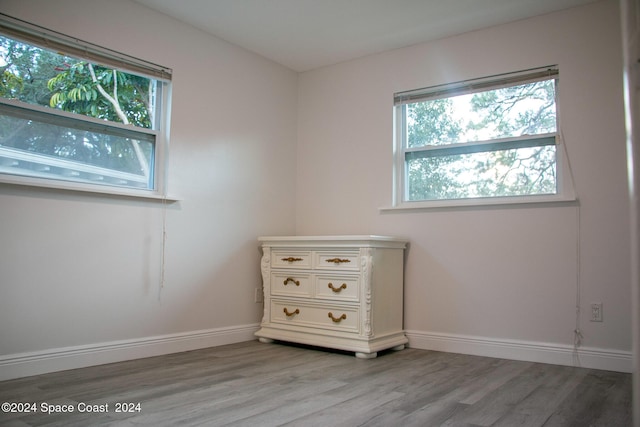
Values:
[(255, 384)]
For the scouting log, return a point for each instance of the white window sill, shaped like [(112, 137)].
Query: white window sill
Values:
[(479, 203), (107, 191)]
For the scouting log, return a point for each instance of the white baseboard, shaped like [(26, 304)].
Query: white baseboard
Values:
[(60, 359), (557, 354)]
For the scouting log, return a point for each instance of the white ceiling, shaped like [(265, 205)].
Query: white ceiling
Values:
[(307, 34)]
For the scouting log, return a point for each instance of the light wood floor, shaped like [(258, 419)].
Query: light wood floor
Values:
[(255, 384)]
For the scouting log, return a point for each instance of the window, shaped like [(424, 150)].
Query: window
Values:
[(77, 116), (484, 140)]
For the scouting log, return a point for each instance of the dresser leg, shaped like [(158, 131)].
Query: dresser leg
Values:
[(398, 347), (265, 340), (360, 355)]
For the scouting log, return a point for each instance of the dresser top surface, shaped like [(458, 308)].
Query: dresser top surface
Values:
[(334, 241)]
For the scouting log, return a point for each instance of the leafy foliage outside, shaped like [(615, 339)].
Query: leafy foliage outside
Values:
[(45, 78), (527, 109)]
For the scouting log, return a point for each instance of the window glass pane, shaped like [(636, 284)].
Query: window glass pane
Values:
[(512, 172), (526, 109), (43, 77), (60, 149)]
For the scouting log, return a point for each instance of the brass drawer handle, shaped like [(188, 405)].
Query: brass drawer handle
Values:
[(336, 290), (291, 279), (338, 260), (293, 313), (291, 259), (337, 319)]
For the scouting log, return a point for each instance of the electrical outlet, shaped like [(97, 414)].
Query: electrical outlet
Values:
[(258, 295), (596, 312)]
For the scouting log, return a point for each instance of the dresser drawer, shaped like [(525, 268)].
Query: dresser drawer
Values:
[(291, 259), (291, 283), (302, 313), (337, 260), (336, 287)]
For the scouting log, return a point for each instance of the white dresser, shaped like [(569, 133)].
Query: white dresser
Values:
[(342, 292)]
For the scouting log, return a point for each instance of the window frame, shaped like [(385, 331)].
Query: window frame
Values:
[(564, 181), (47, 39)]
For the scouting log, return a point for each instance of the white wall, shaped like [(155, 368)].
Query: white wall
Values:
[(496, 281), (81, 272)]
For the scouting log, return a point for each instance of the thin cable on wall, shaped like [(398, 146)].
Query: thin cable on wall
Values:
[(164, 247), (577, 332), (577, 339)]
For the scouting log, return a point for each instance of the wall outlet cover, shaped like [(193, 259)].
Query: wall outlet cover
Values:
[(596, 312)]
